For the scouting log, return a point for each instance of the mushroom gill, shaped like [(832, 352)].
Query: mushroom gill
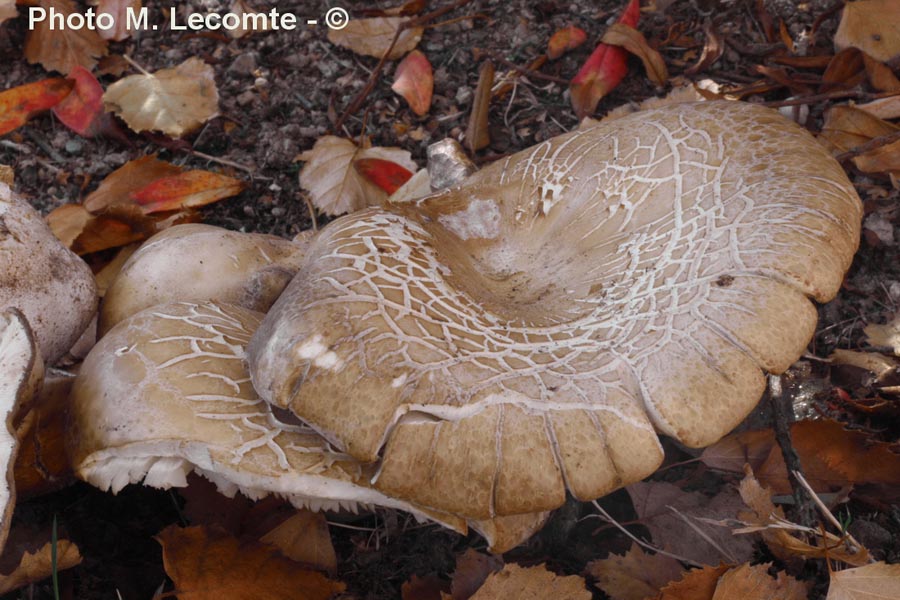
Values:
[(530, 330)]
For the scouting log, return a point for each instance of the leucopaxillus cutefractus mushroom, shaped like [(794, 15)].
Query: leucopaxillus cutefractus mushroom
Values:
[(473, 354), (531, 330)]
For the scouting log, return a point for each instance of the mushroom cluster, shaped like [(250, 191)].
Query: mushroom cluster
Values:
[(472, 354)]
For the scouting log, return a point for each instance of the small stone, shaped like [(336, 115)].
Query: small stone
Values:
[(248, 210), (74, 146), (245, 64), (246, 98), (278, 211), (464, 95)]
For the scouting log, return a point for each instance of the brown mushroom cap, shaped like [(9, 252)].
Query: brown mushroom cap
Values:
[(53, 287), (166, 391), (529, 330), (194, 262)]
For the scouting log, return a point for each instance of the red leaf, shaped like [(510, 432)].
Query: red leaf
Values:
[(19, 104), (79, 111), (387, 175), (415, 82), (564, 40), (603, 70), (188, 189)]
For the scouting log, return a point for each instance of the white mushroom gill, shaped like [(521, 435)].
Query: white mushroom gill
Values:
[(644, 274)]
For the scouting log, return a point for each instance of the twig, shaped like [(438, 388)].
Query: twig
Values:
[(704, 535), (376, 72), (526, 71), (225, 161), (855, 545), (608, 518), (312, 212), (835, 95), (43, 144), (782, 417), (872, 144)]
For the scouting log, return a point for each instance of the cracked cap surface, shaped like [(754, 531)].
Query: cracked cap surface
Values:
[(528, 332)]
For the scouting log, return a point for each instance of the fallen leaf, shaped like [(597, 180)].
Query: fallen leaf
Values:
[(713, 48), (118, 9), (603, 70), (414, 81), (84, 232), (635, 575), (132, 176), (531, 583), (697, 584), (205, 505), (732, 452), (373, 37), (880, 75), (472, 569), (653, 501), (873, 26), (209, 564), (7, 175), (883, 108), (752, 582), (39, 565), (783, 537), (634, 41), (188, 189), (20, 103), (8, 10), (885, 335), (334, 185), (878, 581), (878, 364), (477, 136), (847, 127), (387, 175), (82, 110), (845, 70), (565, 39), (62, 49), (304, 538), (175, 101)]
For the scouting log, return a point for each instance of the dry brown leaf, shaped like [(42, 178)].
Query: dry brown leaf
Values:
[(847, 127), (635, 575), (879, 364), (334, 184), (873, 26), (752, 582), (175, 101), (304, 538), (652, 502), (769, 521), (531, 583), (84, 233), (477, 136), (188, 189), (883, 108), (373, 37), (878, 581), (880, 75), (698, 584), (119, 11), (565, 39), (63, 49), (845, 70), (414, 81), (209, 564), (8, 10), (472, 568), (733, 451), (885, 335), (429, 587), (37, 566), (620, 34), (713, 48)]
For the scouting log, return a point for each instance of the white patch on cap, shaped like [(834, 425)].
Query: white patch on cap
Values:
[(317, 352), (481, 219)]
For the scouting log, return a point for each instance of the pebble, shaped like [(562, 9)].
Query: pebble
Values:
[(278, 211), (74, 146), (245, 64)]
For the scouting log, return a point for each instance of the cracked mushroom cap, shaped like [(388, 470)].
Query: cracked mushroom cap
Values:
[(21, 373), (531, 329), (167, 391), (194, 262), (52, 286)]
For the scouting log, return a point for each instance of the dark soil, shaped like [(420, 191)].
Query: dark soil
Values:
[(277, 93)]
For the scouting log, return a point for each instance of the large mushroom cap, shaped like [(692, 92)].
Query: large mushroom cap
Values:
[(194, 262), (167, 391), (531, 329), (53, 288)]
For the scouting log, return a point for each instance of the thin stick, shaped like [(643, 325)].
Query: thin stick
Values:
[(526, 71), (872, 144), (782, 417), (855, 545), (225, 161), (129, 60), (703, 534), (608, 518)]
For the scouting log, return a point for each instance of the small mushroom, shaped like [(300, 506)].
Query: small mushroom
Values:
[(201, 262), (21, 372), (53, 287), (530, 330), (166, 391)]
